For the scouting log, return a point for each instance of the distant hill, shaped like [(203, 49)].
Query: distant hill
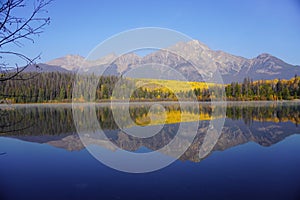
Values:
[(41, 67), (231, 67)]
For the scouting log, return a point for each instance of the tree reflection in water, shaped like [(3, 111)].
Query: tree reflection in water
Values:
[(265, 124)]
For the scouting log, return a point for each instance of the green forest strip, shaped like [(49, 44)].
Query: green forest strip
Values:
[(55, 87)]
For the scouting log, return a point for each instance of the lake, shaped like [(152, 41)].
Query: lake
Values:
[(255, 156)]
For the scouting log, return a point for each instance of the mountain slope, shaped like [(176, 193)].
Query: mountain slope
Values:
[(201, 61), (41, 67)]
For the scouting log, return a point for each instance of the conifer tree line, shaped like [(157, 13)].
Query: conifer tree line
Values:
[(264, 89), (58, 87)]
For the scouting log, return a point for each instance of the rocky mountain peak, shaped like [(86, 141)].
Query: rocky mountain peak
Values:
[(126, 60), (190, 47), (109, 58), (184, 57), (69, 62), (264, 56), (197, 44)]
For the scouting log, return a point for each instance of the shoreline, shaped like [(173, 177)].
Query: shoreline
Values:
[(153, 102)]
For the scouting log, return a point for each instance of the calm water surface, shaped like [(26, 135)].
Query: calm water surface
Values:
[(256, 156)]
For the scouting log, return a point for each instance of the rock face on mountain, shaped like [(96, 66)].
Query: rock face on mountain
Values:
[(267, 66), (41, 67), (192, 59), (69, 62), (74, 62)]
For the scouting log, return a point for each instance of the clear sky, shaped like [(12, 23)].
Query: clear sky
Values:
[(246, 28)]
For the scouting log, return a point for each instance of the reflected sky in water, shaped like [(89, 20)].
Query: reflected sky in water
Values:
[(256, 156)]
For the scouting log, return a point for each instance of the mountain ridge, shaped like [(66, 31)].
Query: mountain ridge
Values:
[(231, 67)]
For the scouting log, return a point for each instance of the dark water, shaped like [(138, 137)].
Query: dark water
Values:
[(255, 157)]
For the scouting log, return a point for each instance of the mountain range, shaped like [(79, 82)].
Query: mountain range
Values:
[(192, 59)]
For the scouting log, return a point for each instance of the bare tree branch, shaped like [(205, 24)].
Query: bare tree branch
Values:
[(14, 73), (14, 29)]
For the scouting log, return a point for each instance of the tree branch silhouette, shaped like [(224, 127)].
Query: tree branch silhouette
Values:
[(16, 28)]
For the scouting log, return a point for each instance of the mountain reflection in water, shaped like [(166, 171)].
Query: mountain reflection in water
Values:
[(265, 124)]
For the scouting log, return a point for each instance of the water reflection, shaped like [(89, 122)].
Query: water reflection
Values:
[(265, 124)]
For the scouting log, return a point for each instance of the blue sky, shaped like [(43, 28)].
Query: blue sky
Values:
[(246, 28)]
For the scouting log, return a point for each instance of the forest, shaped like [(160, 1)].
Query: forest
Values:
[(52, 87)]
